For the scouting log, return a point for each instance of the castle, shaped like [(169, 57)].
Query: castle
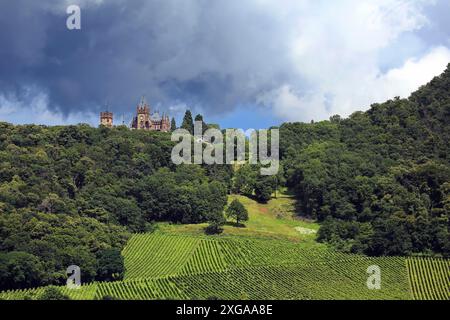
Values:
[(144, 120)]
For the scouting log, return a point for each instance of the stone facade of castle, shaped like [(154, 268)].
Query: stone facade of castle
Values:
[(143, 120), (106, 119)]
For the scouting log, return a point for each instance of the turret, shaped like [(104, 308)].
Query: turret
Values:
[(106, 119), (143, 106)]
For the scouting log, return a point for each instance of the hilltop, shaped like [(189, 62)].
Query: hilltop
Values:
[(379, 181)]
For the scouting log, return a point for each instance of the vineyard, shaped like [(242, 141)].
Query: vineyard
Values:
[(324, 281), (429, 278), (167, 266), (86, 292), (156, 255)]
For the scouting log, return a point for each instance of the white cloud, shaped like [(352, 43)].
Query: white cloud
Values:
[(414, 73), (36, 110), (336, 52), (357, 94)]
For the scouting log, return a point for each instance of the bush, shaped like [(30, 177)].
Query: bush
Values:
[(53, 293), (110, 265)]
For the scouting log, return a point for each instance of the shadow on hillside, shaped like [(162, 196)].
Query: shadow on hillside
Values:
[(235, 225), (254, 198), (299, 212)]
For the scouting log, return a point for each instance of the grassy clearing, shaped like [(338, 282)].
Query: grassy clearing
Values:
[(274, 220)]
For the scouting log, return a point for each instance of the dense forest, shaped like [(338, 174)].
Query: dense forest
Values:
[(72, 195), (378, 181)]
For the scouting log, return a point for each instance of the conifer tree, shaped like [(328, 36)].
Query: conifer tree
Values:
[(188, 123), (199, 117)]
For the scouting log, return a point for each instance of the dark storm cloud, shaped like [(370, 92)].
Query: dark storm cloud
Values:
[(200, 53), (302, 59)]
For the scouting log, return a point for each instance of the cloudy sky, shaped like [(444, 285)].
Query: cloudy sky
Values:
[(247, 64)]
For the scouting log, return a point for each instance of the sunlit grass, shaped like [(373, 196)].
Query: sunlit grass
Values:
[(276, 219)]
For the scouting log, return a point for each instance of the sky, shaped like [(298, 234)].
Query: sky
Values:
[(243, 64)]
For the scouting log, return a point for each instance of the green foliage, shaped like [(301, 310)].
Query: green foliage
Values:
[(216, 223), (110, 265), (20, 270), (276, 282), (182, 196), (248, 181), (188, 123), (53, 293), (146, 254), (173, 125), (68, 193), (237, 211), (378, 180), (199, 118), (264, 187), (244, 180)]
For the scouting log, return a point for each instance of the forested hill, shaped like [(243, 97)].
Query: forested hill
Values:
[(378, 180), (71, 195)]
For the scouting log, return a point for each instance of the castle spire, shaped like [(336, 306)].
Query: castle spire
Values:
[(143, 102)]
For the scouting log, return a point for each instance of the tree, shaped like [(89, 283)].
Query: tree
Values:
[(173, 125), (245, 179), (199, 118), (264, 187), (335, 118), (216, 223), (188, 123), (216, 196), (20, 270), (52, 204), (110, 265), (237, 211), (263, 191)]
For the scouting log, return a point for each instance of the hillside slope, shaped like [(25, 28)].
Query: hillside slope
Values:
[(379, 181), (245, 268), (181, 262)]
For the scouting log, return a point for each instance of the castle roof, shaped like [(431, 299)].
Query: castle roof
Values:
[(155, 116)]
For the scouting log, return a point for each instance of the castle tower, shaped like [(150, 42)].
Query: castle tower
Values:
[(142, 119), (165, 123), (106, 119)]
